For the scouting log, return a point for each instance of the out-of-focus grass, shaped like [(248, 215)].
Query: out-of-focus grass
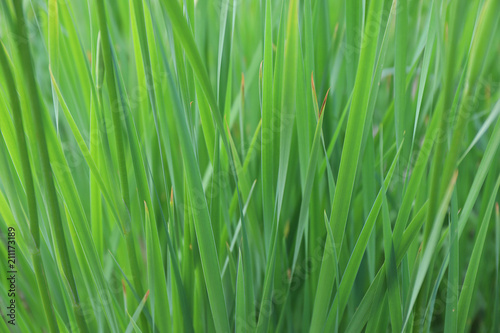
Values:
[(240, 165)]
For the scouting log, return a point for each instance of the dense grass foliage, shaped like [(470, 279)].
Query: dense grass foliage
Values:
[(250, 166)]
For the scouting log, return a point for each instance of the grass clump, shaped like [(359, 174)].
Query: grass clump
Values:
[(250, 166)]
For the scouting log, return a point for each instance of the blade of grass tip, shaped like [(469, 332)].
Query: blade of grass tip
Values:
[(453, 271), (177, 233), (481, 173), (117, 114), (136, 328), (374, 88), (74, 57), (142, 97), (310, 175), (308, 64), (496, 319), (286, 309), (172, 249), (241, 311), (242, 114), (129, 284), (80, 234), (286, 130), (416, 177), (132, 325), (150, 84), (480, 176), (267, 157), (278, 81), (96, 209), (428, 317), (244, 169), (369, 193), (182, 30), (337, 274), (487, 22), (377, 288), (104, 148), (372, 297), (288, 106), (328, 271), (317, 208), (180, 67), (121, 219), (335, 136), (8, 131), (238, 229), (357, 118), (429, 253), (230, 280), (82, 246), (354, 19), (302, 122), (114, 101), (447, 93), (245, 189), (392, 276), (138, 162), (224, 51), (352, 268), (30, 192), (188, 278), (329, 173), (206, 120), (203, 229), (215, 194), (244, 178), (260, 84), (53, 41), (400, 113), (162, 148), (201, 304), (61, 324), (251, 72), (286, 312), (465, 299), (380, 319), (186, 38), (156, 275), (430, 37), (36, 111), (480, 133)]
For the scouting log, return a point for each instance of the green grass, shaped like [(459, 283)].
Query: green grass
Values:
[(250, 166)]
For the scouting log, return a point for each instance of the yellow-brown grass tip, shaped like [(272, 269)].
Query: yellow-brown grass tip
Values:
[(324, 103)]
